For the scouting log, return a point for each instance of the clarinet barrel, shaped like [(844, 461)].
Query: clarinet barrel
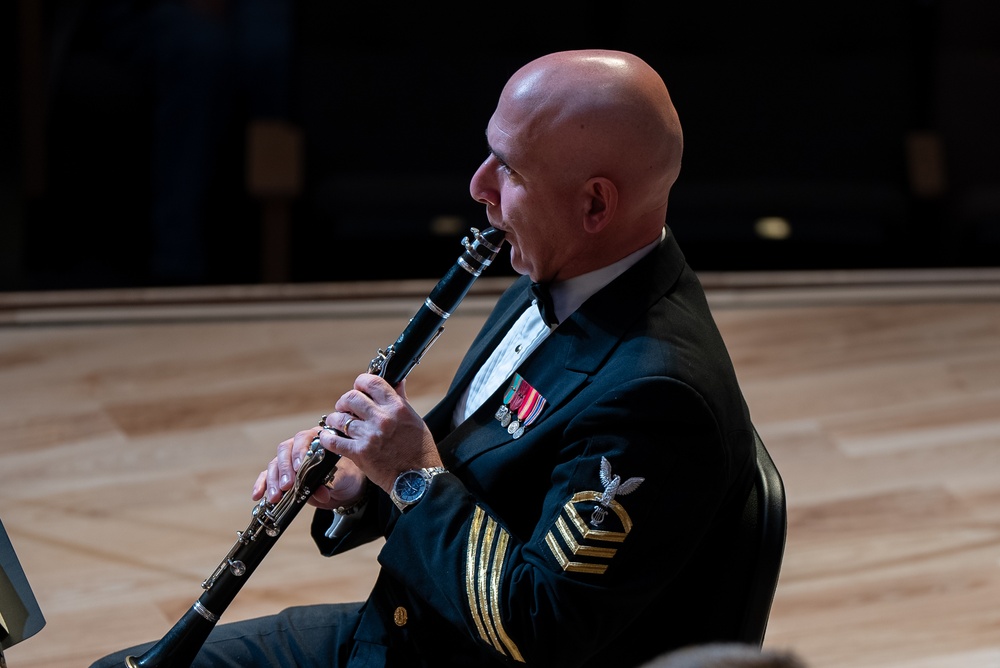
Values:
[(179, 647)]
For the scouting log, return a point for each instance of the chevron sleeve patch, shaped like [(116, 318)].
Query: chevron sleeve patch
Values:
[(578, 546)]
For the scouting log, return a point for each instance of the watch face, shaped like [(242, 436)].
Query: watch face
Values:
[(410, 486)]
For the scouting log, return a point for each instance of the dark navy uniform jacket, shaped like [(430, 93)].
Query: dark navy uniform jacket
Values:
[(523, 553)]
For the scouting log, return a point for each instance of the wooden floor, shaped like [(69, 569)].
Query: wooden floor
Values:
[(133, 424)]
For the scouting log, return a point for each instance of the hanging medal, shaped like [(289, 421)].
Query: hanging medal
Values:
[(520, 393), (522, 405), (503, 413)]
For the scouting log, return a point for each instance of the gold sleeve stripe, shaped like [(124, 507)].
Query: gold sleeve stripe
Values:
[(498, 561), (572, 566), (576, 548), (482, 592), (485, 555), (470, 571)]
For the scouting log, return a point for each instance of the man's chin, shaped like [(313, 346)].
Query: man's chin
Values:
[(516, 264)]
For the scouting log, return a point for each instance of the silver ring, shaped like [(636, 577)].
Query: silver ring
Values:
[(347, 425)]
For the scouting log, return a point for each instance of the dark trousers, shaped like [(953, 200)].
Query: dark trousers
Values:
[(304, 636)]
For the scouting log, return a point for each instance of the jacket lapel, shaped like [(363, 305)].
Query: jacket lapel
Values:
[(577, 349)]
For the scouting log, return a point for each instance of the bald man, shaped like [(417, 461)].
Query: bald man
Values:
[(573, 498)]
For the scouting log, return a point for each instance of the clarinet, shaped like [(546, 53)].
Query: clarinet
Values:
[(184, 640)]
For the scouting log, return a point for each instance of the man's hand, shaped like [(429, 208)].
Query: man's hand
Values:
[(346, 487), (383, 434)]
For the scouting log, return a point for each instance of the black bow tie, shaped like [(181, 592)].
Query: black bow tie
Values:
[(545, 305)]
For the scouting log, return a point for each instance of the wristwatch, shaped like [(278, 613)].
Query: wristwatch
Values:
[(410, 486)]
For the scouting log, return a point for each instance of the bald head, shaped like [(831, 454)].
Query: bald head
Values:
[(584, 148), (601, 113)]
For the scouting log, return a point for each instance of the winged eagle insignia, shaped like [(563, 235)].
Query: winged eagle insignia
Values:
[(613, 486)]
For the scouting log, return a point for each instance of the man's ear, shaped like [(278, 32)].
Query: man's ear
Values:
[(602, 201)]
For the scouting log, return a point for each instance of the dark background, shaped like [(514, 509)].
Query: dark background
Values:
[(871, 127)]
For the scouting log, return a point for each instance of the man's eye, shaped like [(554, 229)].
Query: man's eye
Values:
[(504, 166)]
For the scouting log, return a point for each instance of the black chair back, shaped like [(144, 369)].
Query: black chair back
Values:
[(765, 525), (20, 616)]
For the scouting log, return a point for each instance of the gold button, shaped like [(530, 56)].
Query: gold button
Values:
[(399, 616)]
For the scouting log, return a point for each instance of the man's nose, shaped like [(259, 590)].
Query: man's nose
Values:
[(480, 187)]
